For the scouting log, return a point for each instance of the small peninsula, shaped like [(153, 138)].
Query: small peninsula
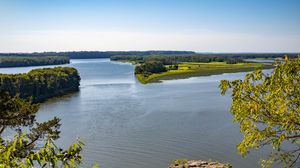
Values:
[(149, 69), (190, 69)]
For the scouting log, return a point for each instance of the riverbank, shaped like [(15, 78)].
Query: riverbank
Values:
[(190, 69)]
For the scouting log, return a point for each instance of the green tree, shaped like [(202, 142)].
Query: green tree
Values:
[(150, 67), (36, 148), (267, 107)]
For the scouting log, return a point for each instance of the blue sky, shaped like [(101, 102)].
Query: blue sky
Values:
[(198, 25)]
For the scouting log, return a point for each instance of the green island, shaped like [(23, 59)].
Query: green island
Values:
[(17, 61), (190, 69), (41, 84), (154, 68)]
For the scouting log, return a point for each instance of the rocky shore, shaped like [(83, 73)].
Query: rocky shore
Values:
[(198, 164)]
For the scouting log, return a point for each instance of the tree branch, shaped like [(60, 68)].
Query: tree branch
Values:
[(2, 129), (294, 162)]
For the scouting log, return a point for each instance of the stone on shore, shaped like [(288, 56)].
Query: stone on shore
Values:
[(198, 164)]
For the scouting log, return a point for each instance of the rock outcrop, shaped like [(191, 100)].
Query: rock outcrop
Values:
[(198, 164)]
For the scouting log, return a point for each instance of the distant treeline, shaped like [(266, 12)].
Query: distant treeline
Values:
[(95, 54), (14, 61), (169, 60), (41, 84), (172, 59)]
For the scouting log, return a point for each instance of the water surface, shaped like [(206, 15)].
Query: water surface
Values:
[(126, 124)]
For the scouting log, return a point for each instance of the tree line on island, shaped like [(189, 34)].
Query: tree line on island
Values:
[(14, 61), (41, 84), (175, 58), (169, 60)]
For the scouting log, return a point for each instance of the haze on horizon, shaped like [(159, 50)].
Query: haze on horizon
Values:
[(115, 25)]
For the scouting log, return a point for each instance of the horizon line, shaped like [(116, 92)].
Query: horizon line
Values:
[(197, 52)]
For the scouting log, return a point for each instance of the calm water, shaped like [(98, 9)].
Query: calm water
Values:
[(126, 124)]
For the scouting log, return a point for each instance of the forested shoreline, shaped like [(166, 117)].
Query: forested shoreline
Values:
[(109, 54), (41, 84), (16, 61), (95, 54), (172, 59)]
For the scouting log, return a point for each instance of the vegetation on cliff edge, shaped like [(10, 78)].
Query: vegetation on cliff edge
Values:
[(41, 84), (267, 108), (31, 143)]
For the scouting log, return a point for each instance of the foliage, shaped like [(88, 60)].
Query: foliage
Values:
[(267, 107), (231, 61), (34, 149), (173, 67), (114, 55), (150, 67), (41, 84), (173, 59), (32, 61)]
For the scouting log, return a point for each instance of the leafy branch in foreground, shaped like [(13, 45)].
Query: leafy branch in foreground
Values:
[(49, 155), (267, 107), (34, 149)]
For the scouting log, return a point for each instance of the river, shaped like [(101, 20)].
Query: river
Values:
[(127, 124)]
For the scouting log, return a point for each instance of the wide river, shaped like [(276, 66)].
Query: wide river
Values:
[(127, 124)]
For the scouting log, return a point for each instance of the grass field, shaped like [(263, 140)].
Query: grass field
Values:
[(190, 69)]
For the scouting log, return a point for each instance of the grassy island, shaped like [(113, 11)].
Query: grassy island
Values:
[(155, 68), (189, 69)]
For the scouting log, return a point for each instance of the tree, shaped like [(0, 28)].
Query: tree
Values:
[(267, 107), (150, 67), (36, 148)]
